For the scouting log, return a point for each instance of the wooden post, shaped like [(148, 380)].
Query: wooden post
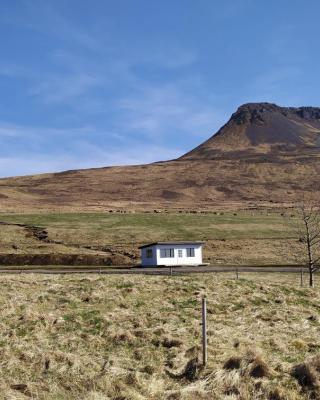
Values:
[(313, 276), (170, 271), (301, 277), (237, 273), (100, 270), (204, 331)]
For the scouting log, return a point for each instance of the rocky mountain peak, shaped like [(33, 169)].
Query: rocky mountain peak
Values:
[(264, 128)]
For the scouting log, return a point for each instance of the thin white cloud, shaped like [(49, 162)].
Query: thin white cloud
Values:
[(163, 110), (77, 151), (62, 89), (170, 57), (274, 76), (33, 163), (45, 18), (33, 132), (78, 68), (266, 86), (281, 39), (10, 70)]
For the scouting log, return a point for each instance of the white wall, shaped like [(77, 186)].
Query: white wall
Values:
[(184, 260)]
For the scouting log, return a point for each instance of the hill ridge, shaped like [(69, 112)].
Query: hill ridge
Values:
[(264, 155)]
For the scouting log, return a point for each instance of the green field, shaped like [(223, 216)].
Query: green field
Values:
[(225, 233), (146, 227)]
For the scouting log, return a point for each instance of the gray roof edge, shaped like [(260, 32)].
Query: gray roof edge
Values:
[(171, 243)]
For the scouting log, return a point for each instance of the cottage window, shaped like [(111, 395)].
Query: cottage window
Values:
[(190, 252), (166, 253), (149, 253), (180, 253)]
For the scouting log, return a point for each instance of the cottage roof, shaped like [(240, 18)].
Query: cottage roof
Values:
[(172, 243)]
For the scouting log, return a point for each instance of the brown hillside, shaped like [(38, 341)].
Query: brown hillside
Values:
[(265, 153)]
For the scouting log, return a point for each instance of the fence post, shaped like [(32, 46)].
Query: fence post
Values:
[(170, 271), (301, 277), (237, 273), (204, 331)]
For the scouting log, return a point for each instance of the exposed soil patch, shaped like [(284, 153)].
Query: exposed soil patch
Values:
[(171, 195), (60, 259), (36, 231), (111, 257)]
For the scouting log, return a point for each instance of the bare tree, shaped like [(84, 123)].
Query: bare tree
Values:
[(307, 227)]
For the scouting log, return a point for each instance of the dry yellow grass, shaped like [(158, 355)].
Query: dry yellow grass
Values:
[(131, 337)]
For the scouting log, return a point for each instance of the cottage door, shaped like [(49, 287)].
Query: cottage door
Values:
[(179, 258)]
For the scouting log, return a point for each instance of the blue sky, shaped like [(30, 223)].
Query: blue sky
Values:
[(100, 82)]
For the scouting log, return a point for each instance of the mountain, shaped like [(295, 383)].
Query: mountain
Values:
[(263, 128), (264, 155)]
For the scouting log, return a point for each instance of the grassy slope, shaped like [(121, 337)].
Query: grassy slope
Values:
[(241, 238), (115, 337), (145, 227)]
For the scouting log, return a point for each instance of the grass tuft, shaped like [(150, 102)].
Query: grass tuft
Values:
[(146, 344)]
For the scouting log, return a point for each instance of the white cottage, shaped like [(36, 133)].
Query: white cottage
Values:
[(171, 253)]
